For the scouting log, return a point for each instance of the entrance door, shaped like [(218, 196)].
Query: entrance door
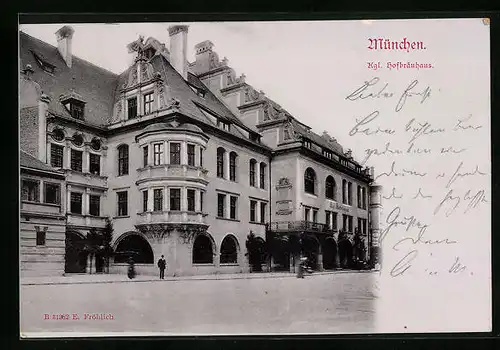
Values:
[(329, 254), (75, 256), (310, 250)]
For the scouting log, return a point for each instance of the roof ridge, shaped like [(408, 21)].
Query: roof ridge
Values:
[(73, 56)]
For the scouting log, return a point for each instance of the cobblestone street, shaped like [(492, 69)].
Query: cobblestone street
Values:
[(329, 303)]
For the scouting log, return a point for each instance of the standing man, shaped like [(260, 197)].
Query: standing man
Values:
[(162, 265)]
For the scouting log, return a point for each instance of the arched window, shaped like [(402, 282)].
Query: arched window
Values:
[(58, 135), (123, 160), (330, 188), (77, 140), (203, 250), (220, 162), (232, 166), (344, 191), (253, 163), (310, 181), (262, 175), (229, 251)]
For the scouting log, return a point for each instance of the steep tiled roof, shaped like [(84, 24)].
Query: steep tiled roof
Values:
[(96, 85), (28, 161)]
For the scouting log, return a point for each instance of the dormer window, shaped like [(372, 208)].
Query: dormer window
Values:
[(255, 138), (74, 105), (327, 154), (199, 92), (43, 63), (307, 144), (223, 125), (132, 107)]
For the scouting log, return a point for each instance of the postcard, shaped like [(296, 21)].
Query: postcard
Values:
[(246, 178)]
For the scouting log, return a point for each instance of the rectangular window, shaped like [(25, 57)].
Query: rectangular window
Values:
[(76, 203), (148, 103), (40, 237), (315, 216), (175, 199), (328, 219), (132, 107), (364, 226), (221, 205), (359, 225), (306, 214), (349, 220), (253, 213), (334, 221), (158, 153), (191, 200), (233, 207), (145, 155), (76, 110), (76, 160), (252, 172), (201, 157), (94, 163), (122, 203), (158, 199), (123, 160), (344, 192), (145, 201), (190, 152), (201, 200), (262, 175), (344, 222), (56, 156), (175, 153), (95, 205), (30, 191), (52, 193), (262, 212), (360, 205), (349, 193)]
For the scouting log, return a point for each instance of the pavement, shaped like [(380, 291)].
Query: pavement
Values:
[(243, 304), (120, 278)]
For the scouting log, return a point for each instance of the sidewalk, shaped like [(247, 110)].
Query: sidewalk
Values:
[(115, 278)]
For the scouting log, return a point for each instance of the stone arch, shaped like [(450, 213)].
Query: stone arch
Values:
[(229, 249), (345, 253), (75, 256), (330, 254), (311, 249), (204, 249), (133, 244)]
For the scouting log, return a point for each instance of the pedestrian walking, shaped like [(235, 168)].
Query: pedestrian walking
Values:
[(162, 265), (131, 268)]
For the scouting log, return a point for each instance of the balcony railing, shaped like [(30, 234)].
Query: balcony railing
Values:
[(299, 226), (172, 171), (171, 217)]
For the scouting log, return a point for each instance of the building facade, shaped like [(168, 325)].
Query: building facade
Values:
[(187, 160)]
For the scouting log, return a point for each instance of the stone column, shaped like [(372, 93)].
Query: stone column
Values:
[(184, 202), (320, 261), (150, 199), (68, 199), (86, 160), (85, 201), (67, 149), (183, 152)]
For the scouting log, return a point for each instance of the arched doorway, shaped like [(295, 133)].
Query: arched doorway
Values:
[(329, 254), (229, 250), (310, 250), (203, 250), (281, 253), (136, 247), (75, 257), (345, 253)]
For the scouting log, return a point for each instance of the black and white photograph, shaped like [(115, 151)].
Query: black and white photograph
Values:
[(254, 178)]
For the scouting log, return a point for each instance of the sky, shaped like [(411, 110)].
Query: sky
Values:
[(310, 68)]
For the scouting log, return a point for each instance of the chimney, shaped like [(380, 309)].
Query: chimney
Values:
[(203, 52), (64, 38), (178, 48), (43, 107)]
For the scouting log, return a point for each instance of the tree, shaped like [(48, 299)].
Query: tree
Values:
[(107, 236)]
